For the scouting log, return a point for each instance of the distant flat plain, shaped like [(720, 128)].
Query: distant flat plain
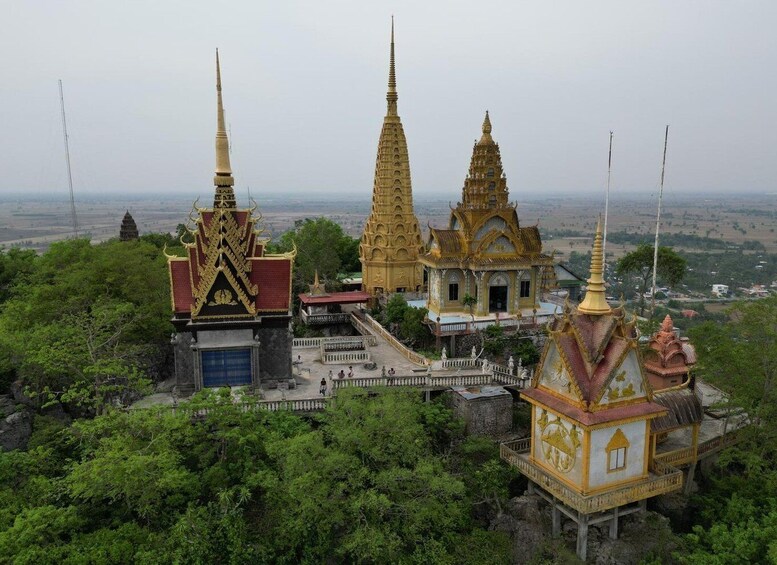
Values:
[(567, 222)]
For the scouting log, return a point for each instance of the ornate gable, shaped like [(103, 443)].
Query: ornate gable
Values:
[(221, 275)]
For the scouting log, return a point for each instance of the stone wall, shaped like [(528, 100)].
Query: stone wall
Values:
[(487, 410)]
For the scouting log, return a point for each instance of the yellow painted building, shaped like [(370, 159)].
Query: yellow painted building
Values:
[(591, 450), (391, 240), (485, 253)]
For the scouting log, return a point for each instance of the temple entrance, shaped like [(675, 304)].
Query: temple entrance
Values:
[(226, 367), (497, 299)]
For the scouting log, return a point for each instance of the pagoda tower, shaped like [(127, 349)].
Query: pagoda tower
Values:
[(391, 240), (129, 230), (668, 358), (592, 453), (485, 253), (231, 301)]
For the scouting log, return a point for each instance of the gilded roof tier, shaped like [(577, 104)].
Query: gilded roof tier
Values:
[(483, 228), (225, 273)]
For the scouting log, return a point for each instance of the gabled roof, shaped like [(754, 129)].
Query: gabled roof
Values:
[(449, 241), (684, 409)]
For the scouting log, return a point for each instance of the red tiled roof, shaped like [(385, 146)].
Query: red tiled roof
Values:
[(182, 288), (273, 277), (643, 409), (352, 297)]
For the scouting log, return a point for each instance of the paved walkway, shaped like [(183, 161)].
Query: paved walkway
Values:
[(311, 370)]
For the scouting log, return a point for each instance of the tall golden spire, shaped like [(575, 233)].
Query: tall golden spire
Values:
[(225, 196), (486, 138), (595, 301), (391, 95)]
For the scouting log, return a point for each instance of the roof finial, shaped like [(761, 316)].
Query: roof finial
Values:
[(391, 95), (486, 138), (595, 301), (223, 179)]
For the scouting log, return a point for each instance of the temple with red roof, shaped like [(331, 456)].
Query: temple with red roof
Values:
[(319, 307), (231, 301), (591, 453)]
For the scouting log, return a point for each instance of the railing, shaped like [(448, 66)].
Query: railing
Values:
[(299, 405), (409, 354), (344, 357), (360, 326), (716, 444), (371, 382), (313, 342), (459, 363), (350, 345), (448, 328), (424, 381), (321, 319), (677, 457), (687, 455), (663, 479)]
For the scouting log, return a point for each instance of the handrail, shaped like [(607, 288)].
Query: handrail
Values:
[(409, 354), (663, 479)]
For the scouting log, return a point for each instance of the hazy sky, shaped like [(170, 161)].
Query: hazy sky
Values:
[(305, 82)]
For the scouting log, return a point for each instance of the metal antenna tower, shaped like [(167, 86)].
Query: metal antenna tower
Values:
[(67, 158)]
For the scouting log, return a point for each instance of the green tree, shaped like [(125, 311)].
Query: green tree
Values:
[(88, 322), (322, 246), (15, 264), (670, 268), (737, 516)]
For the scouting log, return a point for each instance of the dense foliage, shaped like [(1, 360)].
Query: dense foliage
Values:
[(379, 479), (321, 246), (737, 505), (85, 322), (406, 321)]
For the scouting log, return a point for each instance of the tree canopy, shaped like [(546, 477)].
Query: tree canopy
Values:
[(379, 478), (87, 322), (670, 268), (322, 246)]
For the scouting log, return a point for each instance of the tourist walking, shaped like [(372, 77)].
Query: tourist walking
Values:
[(322, 389)]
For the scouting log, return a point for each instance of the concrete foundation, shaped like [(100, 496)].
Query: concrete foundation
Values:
[(269, 339)]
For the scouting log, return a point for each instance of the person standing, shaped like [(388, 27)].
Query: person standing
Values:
[(322, 388)]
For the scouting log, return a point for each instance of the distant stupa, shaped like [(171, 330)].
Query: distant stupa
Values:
[(129, 229)]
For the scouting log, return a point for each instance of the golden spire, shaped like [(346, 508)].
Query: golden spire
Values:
[(486, 138), (391, 95), (223, 179), (595, 301)]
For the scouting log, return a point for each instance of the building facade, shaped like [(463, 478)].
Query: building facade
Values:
[(391, 240), (591, 452), (484, 253), (230, 300)]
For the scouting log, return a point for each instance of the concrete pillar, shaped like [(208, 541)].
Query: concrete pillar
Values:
[(427, 396), (689, 479), (582, 535), (556, 516), (530, 488), (614, 523)]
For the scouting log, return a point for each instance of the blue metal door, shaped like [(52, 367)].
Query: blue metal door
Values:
[(226, 367)]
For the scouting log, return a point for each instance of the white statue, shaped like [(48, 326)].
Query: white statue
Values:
[(485, 366), (444, 354), (474, 353), (511, 364)]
